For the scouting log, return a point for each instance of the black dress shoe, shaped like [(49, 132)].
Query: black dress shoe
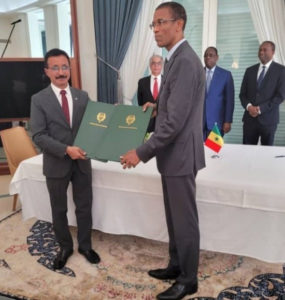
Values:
[(90, 255), (62, 258), (163, 274), (177, 291)]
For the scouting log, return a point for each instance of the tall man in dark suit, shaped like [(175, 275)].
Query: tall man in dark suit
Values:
[(261, 93), (219, 96), (56, 113), (177, 143), (148, 87)]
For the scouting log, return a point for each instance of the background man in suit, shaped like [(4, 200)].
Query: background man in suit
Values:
[(148, 87), (177, 143), (261, 93), (220, 95), (56, 113)]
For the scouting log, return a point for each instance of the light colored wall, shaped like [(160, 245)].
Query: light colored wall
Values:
[(88, 66), (86, 35), (19, 41)]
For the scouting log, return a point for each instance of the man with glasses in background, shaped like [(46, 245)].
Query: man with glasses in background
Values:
[(56, 114), (148, 87), (177, 143)]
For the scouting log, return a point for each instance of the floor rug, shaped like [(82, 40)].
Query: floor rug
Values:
[(27, 249)]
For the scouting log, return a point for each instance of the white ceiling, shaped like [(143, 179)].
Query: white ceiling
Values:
[(9, 6)]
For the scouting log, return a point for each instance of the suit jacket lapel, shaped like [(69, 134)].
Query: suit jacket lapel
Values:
[(168, 65), (215, 79), (75, 100)]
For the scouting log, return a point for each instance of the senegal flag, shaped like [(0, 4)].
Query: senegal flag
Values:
[(214, 140)]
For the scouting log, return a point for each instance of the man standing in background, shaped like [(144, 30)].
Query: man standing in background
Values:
[(177, 143), (220, 95), (148, 87), (261, 93), (56, 114)]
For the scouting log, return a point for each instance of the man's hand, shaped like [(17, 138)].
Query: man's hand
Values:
[(75, 152), (153, 106), (253, 111), (226, 127), (130, 159)]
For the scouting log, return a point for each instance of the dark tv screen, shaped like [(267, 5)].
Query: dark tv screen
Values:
[(19, 80)]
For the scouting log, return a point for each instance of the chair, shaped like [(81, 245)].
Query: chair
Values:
[(17, 146)]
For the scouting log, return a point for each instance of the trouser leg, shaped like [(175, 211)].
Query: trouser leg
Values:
[(57, 188), (184, 228), (82, 196)]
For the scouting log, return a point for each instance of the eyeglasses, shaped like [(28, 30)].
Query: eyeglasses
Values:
[(160, 22), (156, 63), (62, 68)]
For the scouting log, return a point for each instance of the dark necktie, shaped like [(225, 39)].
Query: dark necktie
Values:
[(261, 76), (64, 104), (155, 89)]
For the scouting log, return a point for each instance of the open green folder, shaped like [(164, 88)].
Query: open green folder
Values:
[(108, 131)]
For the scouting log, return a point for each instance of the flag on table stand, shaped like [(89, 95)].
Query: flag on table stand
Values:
[(214, 140)]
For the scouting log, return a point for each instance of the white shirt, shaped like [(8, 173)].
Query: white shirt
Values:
[(152, 81), (261, 67), (68, 95)]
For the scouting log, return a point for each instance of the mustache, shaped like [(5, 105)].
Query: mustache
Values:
[(61, 77)]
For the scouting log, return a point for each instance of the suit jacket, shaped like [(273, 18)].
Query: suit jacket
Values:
[(52, 133), (177, 141), (220, 99), (269, 96), (144, 96)]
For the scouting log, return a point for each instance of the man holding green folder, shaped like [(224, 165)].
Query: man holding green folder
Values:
[(177, 144), (56, 114)]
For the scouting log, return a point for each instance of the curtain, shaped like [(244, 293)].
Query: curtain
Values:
[(269, 19), (114, 22), (141, 48)]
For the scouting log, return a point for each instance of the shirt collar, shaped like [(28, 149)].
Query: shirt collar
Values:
[(267, 65), (158, 76), (57, 89), (172, 50), (212, 70)]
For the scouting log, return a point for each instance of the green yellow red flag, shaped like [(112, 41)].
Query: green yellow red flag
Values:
[(214, 140)]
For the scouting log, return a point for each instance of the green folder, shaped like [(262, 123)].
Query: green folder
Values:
[(108, 131)]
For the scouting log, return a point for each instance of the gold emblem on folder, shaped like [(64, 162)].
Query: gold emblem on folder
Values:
[(130, 119), (101, 117)]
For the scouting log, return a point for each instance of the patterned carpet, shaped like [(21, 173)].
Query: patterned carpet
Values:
[(27, 250)]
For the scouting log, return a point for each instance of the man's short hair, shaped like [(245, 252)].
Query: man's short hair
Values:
[(55, 52), (155, 55), (213, 48), (177, 11), (271, 43)]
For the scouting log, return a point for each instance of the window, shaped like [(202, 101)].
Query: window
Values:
[(194, 27), (237, 44)]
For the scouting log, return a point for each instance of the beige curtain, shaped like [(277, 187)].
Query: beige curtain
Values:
[(269, 22)]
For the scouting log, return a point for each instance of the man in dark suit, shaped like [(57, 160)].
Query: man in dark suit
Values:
[(148, 87), (177, 143), (261, 93), (56, 113), (219, 96)]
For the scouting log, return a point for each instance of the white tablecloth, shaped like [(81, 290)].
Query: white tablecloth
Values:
[(240, 196)]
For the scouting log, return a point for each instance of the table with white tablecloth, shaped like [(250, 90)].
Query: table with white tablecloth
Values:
[(240, 196)]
